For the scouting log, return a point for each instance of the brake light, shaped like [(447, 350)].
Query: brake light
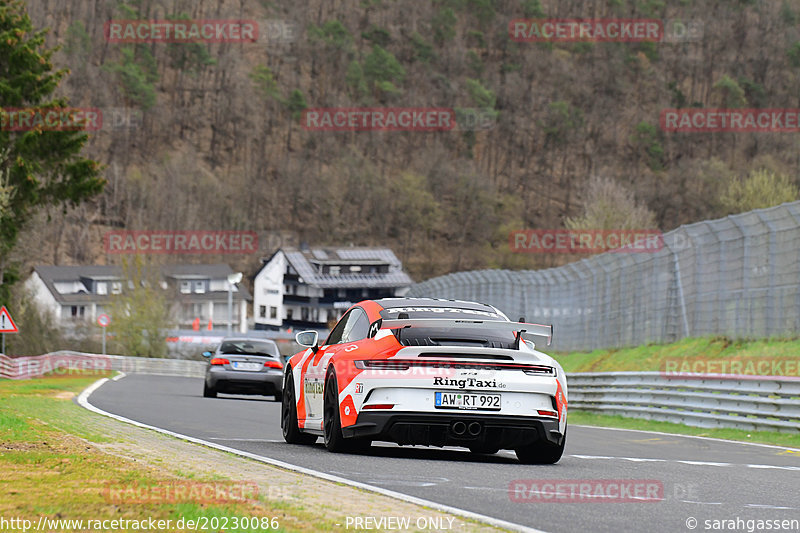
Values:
[(378, 406), (220, 361), (547, 413), (273, 364)]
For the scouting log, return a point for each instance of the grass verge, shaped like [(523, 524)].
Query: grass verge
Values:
[(66, 464)]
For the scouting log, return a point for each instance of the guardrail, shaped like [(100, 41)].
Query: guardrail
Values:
[(742, 402), (64, 361)]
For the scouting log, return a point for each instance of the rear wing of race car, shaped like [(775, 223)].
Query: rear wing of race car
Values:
[(520, 329)]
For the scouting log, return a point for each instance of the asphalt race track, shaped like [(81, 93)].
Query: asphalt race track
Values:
[(702, 479)]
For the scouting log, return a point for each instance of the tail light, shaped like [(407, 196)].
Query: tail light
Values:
[(378, 406), (547, 413), (273, 364), (219, 361)]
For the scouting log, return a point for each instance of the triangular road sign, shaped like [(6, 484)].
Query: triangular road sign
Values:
[(6, 322)]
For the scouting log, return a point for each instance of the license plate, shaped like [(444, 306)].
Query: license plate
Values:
[(459, 400), (249, 367)]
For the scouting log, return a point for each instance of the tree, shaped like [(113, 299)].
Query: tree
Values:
[(610, 206), (140, 313), (762, 188), (40, 167)]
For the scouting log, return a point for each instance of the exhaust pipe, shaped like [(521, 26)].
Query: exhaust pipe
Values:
[(475, 429), (458, 428)]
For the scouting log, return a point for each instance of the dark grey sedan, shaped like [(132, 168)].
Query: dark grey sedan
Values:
[(244, 366)]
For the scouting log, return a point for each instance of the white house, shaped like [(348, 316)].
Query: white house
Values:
[(312, 287), (197, 293)]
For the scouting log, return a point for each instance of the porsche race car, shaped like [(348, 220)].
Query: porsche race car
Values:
[(427, 372)]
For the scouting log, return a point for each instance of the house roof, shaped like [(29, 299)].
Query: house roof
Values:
[(307, 260), (51, 275)]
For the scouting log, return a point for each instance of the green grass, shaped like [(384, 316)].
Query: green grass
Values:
[(653, 357), (584, 418)]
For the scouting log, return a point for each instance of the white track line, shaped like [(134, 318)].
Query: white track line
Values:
[(691, 437), (83, 401)]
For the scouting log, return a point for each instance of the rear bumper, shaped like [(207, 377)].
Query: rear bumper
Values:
[(238, 382), (441, 429)]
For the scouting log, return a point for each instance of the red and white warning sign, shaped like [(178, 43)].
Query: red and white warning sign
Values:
[(6, 322)]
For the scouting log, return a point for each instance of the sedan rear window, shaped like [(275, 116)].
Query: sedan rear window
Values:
[(249, 348)]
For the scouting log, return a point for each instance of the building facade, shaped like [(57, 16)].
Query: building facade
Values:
[(313, 287), (197, 295)]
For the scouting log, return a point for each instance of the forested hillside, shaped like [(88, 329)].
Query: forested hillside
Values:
[(216, 141)]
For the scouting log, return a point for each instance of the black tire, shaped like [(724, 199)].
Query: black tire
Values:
[(332, 423), (488, 450), (289, 427), (208, 392), (540, 453)]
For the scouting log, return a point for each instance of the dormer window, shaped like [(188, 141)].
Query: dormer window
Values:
[(186, 287), (199, 287)]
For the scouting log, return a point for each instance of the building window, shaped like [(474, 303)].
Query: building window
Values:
[(355, 268), (102, 287), (186, 287), (289, 313), (199, 287), (334, 271), (262, 311), (78, 311), (116, 287), (304, 313), (273, 312)]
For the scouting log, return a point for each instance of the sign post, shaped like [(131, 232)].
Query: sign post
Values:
[(6, 325), (103, 321)]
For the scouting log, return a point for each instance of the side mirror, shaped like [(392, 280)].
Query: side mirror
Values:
[(308, 339), (207, 354)]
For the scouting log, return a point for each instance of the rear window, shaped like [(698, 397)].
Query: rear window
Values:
[(449, 336), (249, 347)]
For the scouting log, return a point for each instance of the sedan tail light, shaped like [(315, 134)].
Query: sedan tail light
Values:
[(219, 361), (273, 364), (547, 413), (378, 406)]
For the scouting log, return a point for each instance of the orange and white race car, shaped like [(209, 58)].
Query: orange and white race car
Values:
[(427, 372)]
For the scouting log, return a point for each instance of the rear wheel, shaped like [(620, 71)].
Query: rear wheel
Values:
[(542, 453), (332, 423), (291, 431), (209, 392)]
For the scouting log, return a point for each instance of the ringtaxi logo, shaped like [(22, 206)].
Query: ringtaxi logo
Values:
[(51, 119), (378, 119), (182, 492), (587, 241), (181, 242), (180, 31), (586, 491), (697, 120)]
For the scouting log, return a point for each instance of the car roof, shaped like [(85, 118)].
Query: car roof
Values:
[(389, 303)]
